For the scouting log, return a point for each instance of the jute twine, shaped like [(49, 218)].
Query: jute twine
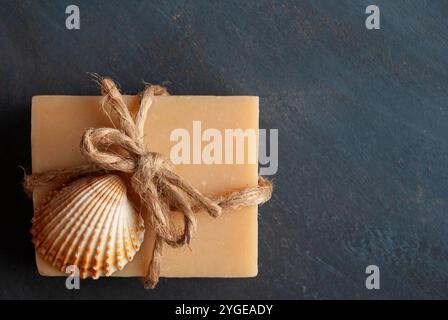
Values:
[(159, 189)]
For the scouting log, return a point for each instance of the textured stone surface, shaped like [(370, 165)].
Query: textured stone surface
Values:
[(363, 119)]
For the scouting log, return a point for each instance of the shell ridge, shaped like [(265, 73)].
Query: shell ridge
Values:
[(92, 242), (51, 219), (42, 221), (70, 215), (111, 249), (121, 247), (78, 229), (55, 226), (88, 218), (129, 244), (90, 223), (132, 232)]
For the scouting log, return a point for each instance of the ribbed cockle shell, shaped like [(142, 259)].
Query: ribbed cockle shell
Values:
[(89, 223)]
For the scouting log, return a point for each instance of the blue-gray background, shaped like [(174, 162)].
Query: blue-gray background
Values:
[(362, 116)]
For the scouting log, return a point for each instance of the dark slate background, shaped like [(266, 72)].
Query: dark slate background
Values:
[(362, 117)]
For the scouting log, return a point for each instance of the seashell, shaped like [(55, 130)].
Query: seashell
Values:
[(89, 223)]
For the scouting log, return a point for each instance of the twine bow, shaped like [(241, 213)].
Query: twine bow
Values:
[(159, 188)]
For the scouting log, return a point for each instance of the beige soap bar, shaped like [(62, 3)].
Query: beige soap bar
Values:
[(222, 247)]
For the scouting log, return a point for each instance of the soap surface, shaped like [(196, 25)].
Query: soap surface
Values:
[(226, 246)]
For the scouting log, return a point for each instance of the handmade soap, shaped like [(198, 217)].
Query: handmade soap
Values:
[(222, 247)]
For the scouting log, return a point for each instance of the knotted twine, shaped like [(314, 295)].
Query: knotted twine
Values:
[(159, 189)]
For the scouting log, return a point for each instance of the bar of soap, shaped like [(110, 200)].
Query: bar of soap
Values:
[(226, 246)]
